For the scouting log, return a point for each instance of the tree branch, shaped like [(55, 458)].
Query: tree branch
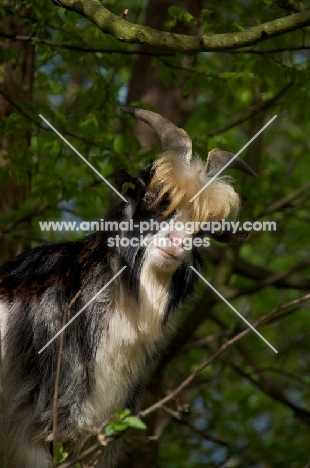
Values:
[(125, 31), (172, 395), (39, 124), (92, 50), (79, 48), (287, 202), (203, 434), (258, 273), (272, 51), (271, 390), (226, 345), (246, 114), (272, 279)]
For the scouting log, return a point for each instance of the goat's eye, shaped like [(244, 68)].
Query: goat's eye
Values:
[(149, 197)]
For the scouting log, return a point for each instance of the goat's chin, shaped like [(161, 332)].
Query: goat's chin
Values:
[(164, 260)]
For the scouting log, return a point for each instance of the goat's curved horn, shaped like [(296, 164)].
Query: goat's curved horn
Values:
[(218, 159), (172, 137)]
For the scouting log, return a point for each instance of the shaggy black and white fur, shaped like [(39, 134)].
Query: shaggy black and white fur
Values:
[(109, 345)]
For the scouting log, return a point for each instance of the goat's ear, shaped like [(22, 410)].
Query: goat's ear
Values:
[(217, 159), (130, 187), (228, 237)]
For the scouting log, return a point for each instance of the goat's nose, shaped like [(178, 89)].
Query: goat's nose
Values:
[(176, 238)]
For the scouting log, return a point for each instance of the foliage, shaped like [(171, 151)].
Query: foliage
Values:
[(250, 407), (60, 455), (122, 421)]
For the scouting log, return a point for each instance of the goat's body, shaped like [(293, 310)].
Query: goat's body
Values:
[(106, 350)]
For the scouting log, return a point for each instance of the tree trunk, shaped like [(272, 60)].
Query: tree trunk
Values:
[(15, 89), (146, 86)]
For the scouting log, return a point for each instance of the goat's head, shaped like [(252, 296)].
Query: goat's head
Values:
[(164, 190)]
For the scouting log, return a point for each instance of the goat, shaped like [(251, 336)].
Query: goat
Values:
[(108, 347)]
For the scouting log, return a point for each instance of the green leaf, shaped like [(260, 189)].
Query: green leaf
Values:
[(175, 12), (227, 75), (60, 455), (118, 144), (109, 430), (120, 426), (135, 422), (126, 412), (180, 15), (206, 12), (188, 17)]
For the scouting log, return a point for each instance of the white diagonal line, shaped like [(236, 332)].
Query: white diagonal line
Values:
[(83, 308), (82, 157), (235, 310), (229, 162)]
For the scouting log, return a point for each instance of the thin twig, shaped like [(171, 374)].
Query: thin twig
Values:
[(269, 280), (285, 202), (204, 434), (2, 431), (78, 48), (160, 404), (258, 273), (90, 451), (29, 117), (233, 122), (191, 71), (270, 51), (226, 345), (124, 14)]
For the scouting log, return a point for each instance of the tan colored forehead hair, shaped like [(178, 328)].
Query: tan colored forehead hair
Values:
[(179, 183)]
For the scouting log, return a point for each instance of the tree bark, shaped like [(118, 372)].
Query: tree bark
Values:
[(147, 87), (136, 34), (15, 87)]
